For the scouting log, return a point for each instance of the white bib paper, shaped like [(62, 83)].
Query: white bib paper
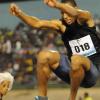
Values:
[(83, 46)]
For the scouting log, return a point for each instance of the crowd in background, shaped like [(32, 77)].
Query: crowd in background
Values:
[(19, 47), (86, 96)]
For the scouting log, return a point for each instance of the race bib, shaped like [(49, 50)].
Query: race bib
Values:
[(83, 46)]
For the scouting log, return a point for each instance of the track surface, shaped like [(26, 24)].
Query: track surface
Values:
[(53, 94)]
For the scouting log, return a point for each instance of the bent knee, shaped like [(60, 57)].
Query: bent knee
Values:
[(49, 57), (78, 61), (43, 56)]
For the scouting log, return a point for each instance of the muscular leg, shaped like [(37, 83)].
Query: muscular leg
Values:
[(79, 64), (45, 61)]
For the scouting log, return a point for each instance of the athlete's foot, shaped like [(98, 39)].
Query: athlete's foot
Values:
[(41, 98)]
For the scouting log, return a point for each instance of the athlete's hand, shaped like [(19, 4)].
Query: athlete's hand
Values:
[(14, 9), (51, 3)]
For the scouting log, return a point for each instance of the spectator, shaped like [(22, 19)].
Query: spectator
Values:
[(87, 96)]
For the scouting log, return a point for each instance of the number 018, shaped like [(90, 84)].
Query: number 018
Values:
[(83, 47)]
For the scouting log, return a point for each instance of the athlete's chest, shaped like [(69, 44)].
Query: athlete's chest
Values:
[(75, 33), (80, 41)]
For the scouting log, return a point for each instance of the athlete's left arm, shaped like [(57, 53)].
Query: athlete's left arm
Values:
[(82, 15), (63, 7), (85, 16)]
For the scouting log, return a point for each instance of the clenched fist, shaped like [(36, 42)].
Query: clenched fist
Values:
[(51, 3), (14, 9)]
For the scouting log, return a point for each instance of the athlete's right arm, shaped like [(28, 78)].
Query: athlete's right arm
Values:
[(34, 21)]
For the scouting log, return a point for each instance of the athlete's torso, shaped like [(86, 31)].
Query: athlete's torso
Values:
[(81, 39)]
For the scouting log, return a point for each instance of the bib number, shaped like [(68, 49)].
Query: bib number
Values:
[(83, 46)]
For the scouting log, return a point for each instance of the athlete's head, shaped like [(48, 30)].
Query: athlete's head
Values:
[(65, 16)]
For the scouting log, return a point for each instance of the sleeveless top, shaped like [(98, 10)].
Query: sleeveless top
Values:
[(81, 39)]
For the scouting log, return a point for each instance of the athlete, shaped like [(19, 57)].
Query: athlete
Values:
[(80, 67), (6, 82)]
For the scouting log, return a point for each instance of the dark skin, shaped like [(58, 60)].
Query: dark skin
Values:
[(79, 64)]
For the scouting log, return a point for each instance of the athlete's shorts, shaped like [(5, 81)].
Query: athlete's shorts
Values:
[(64, 68)]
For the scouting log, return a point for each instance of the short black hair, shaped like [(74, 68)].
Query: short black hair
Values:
[(70, 1)]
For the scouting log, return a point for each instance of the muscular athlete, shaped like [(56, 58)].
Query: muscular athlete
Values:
[(78, 32)]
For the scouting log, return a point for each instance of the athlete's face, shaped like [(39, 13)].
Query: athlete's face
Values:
[(68, 19), (4, 87)]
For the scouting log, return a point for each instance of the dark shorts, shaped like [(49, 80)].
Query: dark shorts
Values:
[(64, 68)]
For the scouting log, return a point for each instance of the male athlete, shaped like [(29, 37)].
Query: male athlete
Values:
[(80, 67)]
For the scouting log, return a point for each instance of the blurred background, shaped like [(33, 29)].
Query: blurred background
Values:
[(19, 44)]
